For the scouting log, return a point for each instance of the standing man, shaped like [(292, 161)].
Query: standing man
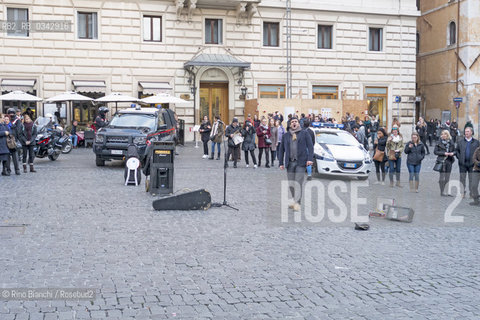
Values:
[(16, 127), (464, 153), (233, 148), (296, 153)]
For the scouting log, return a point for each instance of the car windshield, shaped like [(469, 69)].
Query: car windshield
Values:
[(130, 120), (338, 138)]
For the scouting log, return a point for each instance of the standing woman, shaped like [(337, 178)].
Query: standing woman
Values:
[(205, 129), (415, 151), (256, 122), (380, 144), (274, 138), (281, 131), (27, 138), (263, 133), (216, 135), (248, 145), (395, 148), (445, 151), (4, 151), (422, 130)]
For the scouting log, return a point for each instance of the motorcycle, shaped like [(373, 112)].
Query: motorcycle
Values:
[(49, 141)]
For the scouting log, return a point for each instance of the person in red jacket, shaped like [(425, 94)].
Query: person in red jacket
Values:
[(263, 134)]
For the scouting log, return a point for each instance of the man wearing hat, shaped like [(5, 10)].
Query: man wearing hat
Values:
[(295, 154)]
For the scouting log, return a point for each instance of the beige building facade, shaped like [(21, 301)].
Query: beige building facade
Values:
[(448, 63), (227, 50)]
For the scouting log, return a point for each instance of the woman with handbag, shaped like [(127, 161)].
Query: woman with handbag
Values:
[(415, 151), (395, 148), (274, 139), (264, 142), (379, 158), (445, 152), (4, 151), (27, 138)]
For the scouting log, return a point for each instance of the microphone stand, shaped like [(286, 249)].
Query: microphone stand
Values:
[(225, 166)]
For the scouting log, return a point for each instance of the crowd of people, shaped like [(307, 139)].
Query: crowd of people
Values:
[(267, 135), (17, 131)]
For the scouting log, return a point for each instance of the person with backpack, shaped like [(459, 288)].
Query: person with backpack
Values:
[(415, 151)]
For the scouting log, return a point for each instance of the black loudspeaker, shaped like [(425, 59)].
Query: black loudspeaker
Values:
[(194, 200)]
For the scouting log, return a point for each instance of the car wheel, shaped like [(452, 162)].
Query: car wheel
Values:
[(99, 162)]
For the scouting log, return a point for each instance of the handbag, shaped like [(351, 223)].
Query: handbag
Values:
[(11, 143), (392, 155), (379, 155), (439, 164), (268, 141)]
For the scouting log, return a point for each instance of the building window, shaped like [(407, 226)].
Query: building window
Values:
[(87, 25), (271, 91), (17, 17), (324, 37), (377, 98), (271, 34), (152, 28), (213, 31), (376, 39), (452, 32), (325, 92)]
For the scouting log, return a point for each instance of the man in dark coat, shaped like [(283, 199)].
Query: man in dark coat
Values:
[(16, 127), (296, 153), (464, 153), (101, 119)]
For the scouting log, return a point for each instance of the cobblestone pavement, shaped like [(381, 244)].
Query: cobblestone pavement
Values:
[(85, 229)]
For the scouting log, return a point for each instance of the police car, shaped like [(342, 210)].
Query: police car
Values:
[(338, 153)]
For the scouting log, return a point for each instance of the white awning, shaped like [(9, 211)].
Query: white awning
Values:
[(18, 84), (89, 86), (149, 87)]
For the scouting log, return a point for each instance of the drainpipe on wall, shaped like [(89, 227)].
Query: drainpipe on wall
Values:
[(458, 46)]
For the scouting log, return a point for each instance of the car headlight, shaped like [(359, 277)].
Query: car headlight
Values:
[(368, 159), (324, 155), (140, 140), (99, 138)]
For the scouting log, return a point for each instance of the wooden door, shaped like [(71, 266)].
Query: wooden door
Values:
[(214, 101)]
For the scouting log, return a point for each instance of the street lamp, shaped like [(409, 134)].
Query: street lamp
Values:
[(244, 92)]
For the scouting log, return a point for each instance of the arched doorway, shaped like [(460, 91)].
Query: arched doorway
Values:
[(214, 95)]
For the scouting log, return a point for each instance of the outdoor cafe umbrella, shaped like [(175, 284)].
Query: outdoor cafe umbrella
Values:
[(116, 97), (68, 96), (19, 96), (163, 98)]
